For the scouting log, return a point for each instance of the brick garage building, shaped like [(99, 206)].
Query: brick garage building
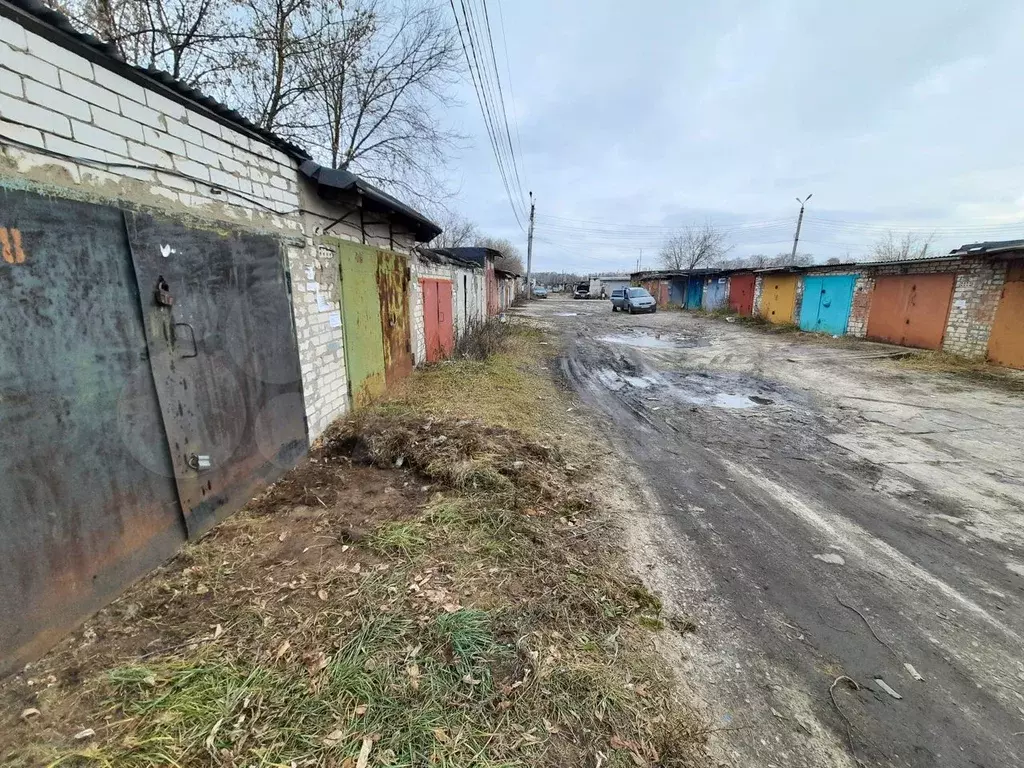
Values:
[(180, 334)]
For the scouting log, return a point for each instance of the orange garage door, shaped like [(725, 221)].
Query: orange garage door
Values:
[(911, 310), (1006, 344)]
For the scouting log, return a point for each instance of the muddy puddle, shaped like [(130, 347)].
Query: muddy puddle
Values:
[(566, 314), (663, 389), (651, 340)]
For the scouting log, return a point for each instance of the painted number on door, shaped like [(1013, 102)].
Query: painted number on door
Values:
[(10, 246)]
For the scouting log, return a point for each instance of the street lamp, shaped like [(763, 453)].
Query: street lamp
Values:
[(799, 221)]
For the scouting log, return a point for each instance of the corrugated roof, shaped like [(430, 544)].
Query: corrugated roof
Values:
[(992, 246)]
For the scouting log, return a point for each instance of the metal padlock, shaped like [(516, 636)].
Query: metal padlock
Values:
[(162, 294)]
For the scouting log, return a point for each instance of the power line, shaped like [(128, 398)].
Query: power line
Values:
[(480, 87), (508, 75), (501, 96)]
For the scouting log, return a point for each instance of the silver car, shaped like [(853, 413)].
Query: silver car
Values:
[(633, 300)]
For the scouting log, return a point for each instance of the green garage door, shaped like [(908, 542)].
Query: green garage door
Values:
[(360, 309)]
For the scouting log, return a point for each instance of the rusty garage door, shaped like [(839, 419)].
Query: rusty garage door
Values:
[(741, 294), (1006, 343), (778, 298), (361, 321), (393, 291), (911, 310), (88, 501), (224, 359)]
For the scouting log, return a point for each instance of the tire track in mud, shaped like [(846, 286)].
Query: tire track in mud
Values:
[(717, 472)]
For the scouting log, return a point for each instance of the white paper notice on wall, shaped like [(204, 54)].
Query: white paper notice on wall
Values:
[(334, 319), (313, 286), (960, 304), (322, 304)]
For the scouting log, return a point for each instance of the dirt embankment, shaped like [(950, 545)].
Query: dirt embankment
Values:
[(432, 586)]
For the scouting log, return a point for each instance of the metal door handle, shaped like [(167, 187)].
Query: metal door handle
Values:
[(192, 331)]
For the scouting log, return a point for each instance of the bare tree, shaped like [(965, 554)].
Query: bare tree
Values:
[(694, 247), (893, 247), (456, 231), (181, 37), (389, 71), (511, 259)]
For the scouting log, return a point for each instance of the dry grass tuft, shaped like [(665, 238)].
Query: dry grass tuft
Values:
[(978, 371)]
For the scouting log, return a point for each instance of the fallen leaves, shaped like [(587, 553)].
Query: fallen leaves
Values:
[(413, 671)]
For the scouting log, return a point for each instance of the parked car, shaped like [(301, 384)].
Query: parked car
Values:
[(539, 292), (633, 300), (582, 291)]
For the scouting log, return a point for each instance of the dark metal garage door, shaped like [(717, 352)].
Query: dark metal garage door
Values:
[(224, 358), (87, 499)]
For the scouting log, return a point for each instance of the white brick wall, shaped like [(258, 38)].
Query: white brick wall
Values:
[(52, 98), (318, 326)]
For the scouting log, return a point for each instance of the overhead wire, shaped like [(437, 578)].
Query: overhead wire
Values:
[(501, 98), (466, 32)]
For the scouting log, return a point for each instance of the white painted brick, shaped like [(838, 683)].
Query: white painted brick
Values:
[(139, 174), (21, 133), (149, 155), (100, 139), (163, 141), (183, 131), (29, 66), (234, 167), (45, 96), (139, 113), (13, 34), (18, 111), (58, 56), (91, 92), (279, 182), (218, 146), (114, 123), (78, 149), (222, 179), (204, 124), (202, 155), (119, 85), (191, 168), (10, 83), (165, 106)]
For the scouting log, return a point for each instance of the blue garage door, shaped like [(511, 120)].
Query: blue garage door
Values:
[(826, 304), (715, 293), (694, 292)]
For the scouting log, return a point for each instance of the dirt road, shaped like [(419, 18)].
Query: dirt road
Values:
[(821, 513)]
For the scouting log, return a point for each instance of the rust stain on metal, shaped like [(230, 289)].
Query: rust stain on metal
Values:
[(393, 293), (911, 310), (10, 245)]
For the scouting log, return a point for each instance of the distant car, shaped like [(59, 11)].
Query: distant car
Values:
[(582, 291), (540, 292), (633, 300)]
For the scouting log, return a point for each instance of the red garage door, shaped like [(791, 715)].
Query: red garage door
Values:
[(741, 294), (437, 318)]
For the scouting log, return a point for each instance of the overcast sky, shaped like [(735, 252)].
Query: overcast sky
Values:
[(645, 115)]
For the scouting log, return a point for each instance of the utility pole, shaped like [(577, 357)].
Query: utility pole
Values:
[(799, 221), (529, 252), (640, 260)]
